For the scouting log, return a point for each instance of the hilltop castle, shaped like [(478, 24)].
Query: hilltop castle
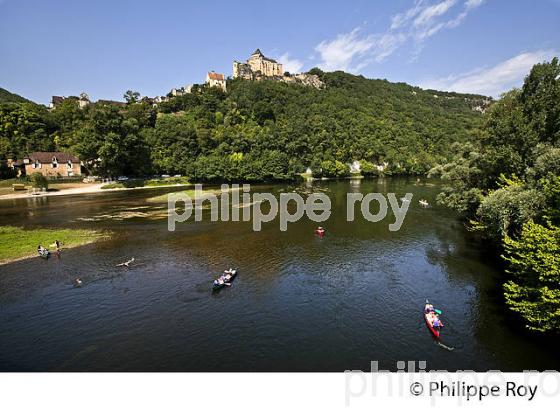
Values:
[(257, 66)]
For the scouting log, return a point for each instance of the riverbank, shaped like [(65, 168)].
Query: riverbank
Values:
[(85, 189), (18, 243)]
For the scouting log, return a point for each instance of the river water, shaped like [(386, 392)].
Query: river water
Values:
[(300, 302)]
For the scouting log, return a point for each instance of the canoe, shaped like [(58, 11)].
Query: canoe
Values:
[(216, 285), (45, 254), (434, 331)]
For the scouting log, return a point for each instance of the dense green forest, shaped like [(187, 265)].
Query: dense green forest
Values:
[(506, 181), (264, 130), (8, 97)]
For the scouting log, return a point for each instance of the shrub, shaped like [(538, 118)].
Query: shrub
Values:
[(38, 180), (369, 169), (335, 169)]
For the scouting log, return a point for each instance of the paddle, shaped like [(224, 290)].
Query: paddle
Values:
[(439, 312)]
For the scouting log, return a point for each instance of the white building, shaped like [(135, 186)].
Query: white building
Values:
[(216, 80)]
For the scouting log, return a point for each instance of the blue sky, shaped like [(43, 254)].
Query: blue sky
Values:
[(64, 47)]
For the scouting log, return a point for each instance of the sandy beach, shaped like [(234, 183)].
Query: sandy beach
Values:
[(88, 189)]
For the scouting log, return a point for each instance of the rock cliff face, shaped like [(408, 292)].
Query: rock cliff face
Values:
[(310, 80)]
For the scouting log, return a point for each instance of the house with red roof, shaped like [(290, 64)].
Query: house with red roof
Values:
[(216, 80)]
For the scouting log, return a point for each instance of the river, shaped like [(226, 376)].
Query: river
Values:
[(299, 303)]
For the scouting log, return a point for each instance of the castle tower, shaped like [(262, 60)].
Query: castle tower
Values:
[(257, 64)]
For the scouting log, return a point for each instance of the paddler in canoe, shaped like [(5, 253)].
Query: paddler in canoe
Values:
[(228, 274), (42, 251), (320, 231), (225, 279), (221, 282), (431, 315)]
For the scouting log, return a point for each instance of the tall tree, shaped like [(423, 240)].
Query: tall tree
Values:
[(131, 96)]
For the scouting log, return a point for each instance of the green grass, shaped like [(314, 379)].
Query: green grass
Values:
[(18, 243), (189, 192), (8, 182), (135, 183), (114, 185), (167, 181)]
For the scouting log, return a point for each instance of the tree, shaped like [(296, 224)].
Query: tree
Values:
[(368, 168), (540, 95), (263, 112), (334, 169), (131, 96), (5, 171), (504, 211), (173, 144), (316, 71), (534, 264), (24, 128), (38, 180)]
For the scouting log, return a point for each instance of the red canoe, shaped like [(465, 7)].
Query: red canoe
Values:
[(427, 314)]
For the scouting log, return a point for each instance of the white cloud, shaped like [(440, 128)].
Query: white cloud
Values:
[(428, 23), (352, 52), (494, 80), (338, 54), (293, 65), (355, 50), (471, 4), (430, 13), (400, 19)]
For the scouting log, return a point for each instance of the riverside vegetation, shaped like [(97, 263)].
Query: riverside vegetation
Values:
[(506, 181)]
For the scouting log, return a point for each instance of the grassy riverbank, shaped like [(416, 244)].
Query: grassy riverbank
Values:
[(138, 183), (188, 192), (18, 243)]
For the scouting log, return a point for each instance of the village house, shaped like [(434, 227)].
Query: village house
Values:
[(82, 100), (178, 92), (257, 65), (56, 101), (216, 80), (52, 164)]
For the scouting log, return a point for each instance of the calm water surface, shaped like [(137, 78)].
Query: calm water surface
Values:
[(300, 303)]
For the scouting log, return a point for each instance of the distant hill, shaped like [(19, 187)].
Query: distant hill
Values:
[(6, 96), (401, 128)]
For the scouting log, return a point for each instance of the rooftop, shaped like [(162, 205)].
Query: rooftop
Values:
[(48, 156), (258, 53), (216, 76)]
